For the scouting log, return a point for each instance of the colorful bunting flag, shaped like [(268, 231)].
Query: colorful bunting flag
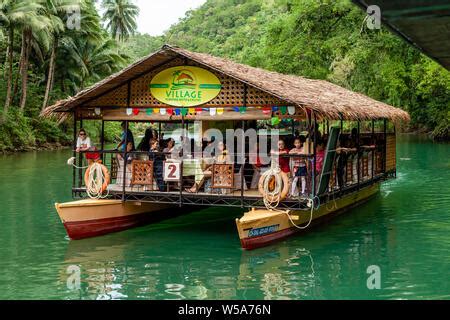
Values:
[(129, 111), (136, 111)]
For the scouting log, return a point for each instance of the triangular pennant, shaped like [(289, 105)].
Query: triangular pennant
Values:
[(136, 111), (236, 109), (184, 111), (170, 111), (291, 110), (212, 111), (198, 110), (275, 121), (149, 111), (220, 110), (283, 110), (156, 110), (129, 111), (177, 111), (242, 109), (163, 111), (274, 108), (267, 110)]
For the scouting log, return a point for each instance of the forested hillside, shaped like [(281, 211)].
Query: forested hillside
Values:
[(43, 60)]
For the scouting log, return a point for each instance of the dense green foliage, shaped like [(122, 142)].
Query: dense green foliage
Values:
[(322, 39)]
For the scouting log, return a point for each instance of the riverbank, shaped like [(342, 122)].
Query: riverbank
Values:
[(44, 147)]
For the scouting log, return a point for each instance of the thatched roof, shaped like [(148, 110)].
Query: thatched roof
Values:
[(328, 100)]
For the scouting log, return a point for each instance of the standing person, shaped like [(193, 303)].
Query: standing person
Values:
[(158, 163), (144, 145), (83, 141), (299, 166), (283, 162), (127, 135), (84, 144)]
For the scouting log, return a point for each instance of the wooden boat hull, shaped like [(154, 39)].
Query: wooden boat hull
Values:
[(258, 228), (90, 218)]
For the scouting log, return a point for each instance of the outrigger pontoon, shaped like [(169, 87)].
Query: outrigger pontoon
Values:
[(178, 89)]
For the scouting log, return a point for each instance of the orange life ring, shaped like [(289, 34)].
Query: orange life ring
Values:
[(284, 191), (105, 174)]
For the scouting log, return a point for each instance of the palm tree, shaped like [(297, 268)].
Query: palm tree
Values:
[(16, 14), (120, 17), (56, 10)]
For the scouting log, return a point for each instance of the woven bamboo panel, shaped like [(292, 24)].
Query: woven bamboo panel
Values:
[(232, 93), (378, 162), (141, 172), (223, 176), (390, 153), (115, 98), (349, 170), (364, 166)]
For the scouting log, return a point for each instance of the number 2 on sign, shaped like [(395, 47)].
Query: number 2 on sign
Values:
[(172, 171)]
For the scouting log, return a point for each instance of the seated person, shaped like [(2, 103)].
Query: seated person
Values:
[(258, 167), (299, 166), (221, 157)]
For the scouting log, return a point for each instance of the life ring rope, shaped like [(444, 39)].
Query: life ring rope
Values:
[(96, 179)]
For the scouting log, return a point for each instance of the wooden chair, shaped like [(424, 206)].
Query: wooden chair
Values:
[(142, 173), (222, 176)]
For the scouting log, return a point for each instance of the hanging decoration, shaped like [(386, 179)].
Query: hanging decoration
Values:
[(177, 111), (129, 111), (170, 111), (149, 111), (212, 111), (220, 111), (156, 110), (236, 109), (192, 111), (267, 110), (275, 121), (274, 108), (291, 110), (283, 110), (242, 109), (184, 111), (198, 110), (97, 111), (163, 111), (136, 111)]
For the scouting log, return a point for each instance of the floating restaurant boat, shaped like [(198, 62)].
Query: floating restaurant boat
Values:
[(348, 147)]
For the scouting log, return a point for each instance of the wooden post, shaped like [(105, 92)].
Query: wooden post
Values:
[(358, 164), (80, 159), (75, 137), (102, 140), (126, 143), (182, 158), (313, 182), (243, 148), (385, 145), (373, 151)]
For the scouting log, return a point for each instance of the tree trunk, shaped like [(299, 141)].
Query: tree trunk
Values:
[(9, 73), (51, 74), (23, 97), (22, 58)]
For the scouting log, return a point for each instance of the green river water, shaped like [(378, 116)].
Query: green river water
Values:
[(405, 231)]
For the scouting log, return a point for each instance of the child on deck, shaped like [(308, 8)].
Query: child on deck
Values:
[(299, 166), (283, 162)]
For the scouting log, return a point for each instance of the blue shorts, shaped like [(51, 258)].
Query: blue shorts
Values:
[(301, 172)]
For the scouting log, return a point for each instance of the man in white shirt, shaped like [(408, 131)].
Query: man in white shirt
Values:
[(83, 141)]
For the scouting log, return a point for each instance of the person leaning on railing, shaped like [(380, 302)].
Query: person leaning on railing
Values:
[(158, 158)]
